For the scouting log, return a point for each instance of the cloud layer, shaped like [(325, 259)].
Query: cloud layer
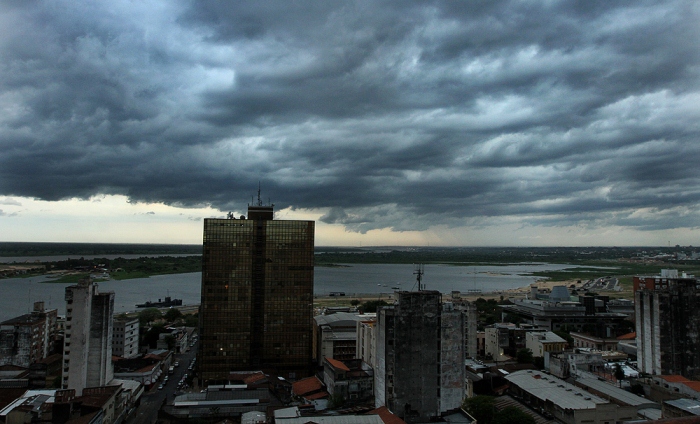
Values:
[(387, 114)]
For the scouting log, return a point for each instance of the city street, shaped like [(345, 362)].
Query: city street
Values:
[(147, 412)]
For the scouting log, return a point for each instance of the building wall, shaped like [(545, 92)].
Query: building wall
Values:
[(452, 355), (668, 325), (257, 296), (125, 339), (100, 371), (541, 342), (366, 345), (384, 370), (87, 348), (21, 344), (28, 338), (470, 330), (420, 356)]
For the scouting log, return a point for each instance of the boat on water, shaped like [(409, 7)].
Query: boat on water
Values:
[(168, 302)]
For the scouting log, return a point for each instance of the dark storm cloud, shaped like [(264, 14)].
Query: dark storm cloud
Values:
[(390, 114)]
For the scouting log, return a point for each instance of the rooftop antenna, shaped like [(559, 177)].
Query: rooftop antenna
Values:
[(259, 200), (418, 272)]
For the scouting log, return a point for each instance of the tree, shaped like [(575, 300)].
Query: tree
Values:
[(637, 389), (619, 373), (149, 315), (151, 336), (372, 305), (192, 320), (565, 335), (512, 415), (354, 302), (480, 407), (336, 401), (170, 341), (524, 356), (172, 314)]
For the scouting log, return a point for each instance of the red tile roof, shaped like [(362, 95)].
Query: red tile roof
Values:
[(694, 385), (674, 378), (387, 416), (628, 336), (306, 385), (319, 395), (337, 364)]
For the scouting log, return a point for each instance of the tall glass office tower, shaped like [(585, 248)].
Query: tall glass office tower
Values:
[(257, 296)]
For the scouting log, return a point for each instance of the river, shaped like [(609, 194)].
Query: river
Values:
[(19, 294)]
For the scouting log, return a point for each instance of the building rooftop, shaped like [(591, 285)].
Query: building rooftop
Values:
[(340, 319), (24, 319), (306, 385), (337, 364), (613, 392), (548, 337), (628, 336), (688, 405), (549, 388)]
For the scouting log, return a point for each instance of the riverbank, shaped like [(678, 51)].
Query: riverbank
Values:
[(515, 293)]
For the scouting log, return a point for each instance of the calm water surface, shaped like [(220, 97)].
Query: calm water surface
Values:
[(18, 294)]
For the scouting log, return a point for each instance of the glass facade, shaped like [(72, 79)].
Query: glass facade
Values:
[(257, 297)]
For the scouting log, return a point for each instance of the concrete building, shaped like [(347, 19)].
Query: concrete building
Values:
[(470, 324), (570, 364), (28, 338), (335, 335), (366, 345), (352, 380), (420, 356), (668, 324), (541, 342), (593, 342), (87, 346), (257, 296), (125, 338), (572, 316), (503, 341)]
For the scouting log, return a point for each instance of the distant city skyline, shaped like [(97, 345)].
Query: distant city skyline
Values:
[(497, 123)]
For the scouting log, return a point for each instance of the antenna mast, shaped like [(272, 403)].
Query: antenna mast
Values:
[(418, 272)]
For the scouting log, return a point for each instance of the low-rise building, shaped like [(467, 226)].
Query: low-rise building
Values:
[(145, 370), (504, 340), (542, 342), (664, 387), (565, 402), (593, 342), (352, 380), (677, 408), (569, 315), (335, 335), (309, 389)]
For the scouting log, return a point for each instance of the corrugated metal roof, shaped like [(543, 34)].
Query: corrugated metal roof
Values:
[(624, 396), (333, 419), (559, 392), (688, 405)]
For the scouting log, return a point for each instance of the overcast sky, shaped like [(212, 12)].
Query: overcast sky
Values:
[(387, 122)]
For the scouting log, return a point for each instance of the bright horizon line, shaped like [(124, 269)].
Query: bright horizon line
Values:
[(368, 246)]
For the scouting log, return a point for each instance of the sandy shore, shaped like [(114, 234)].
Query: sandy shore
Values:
[(519, 292)]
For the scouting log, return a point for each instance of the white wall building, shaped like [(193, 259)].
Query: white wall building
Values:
[(87, 347), (125, 337)]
